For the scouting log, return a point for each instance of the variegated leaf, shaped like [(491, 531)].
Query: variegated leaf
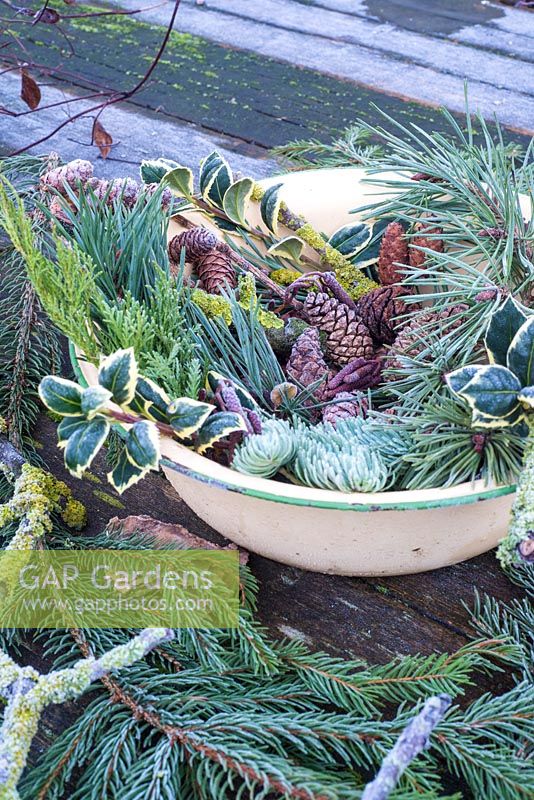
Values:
[(349, 239), (67, 427), (289, 247), (520, 356), (492, 391), (186, 416), (369, 253), (180, 181), (154, 171), (482, 420), (215, 179), (83, 445), (503, 326), (118, 374), (526, 396), (94, 399), (236, 200), (61, 396), (142, 445), (460, 377), (150, 400), (217, 427), (270, 207), (125, 474)]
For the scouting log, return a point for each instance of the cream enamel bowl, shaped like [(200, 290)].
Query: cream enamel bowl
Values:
[(387, 533)]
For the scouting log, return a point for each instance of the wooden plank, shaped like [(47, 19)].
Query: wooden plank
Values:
[(241, 94)]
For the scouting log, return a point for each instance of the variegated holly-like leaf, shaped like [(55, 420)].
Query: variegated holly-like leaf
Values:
[(217, 427), (482, 420), (369, 253), (150, 400), (289, 247), (503, 326), (118, 374), (526, 396), (154, 171), (61, 396), (520, 356), (125, 474), (180, 181), (460, 377), (142, 445), (349, 239), (236, 200), (270, 207), (94, 399), (67, 427), (215, 178), (84, 443), (492, 391), (186, 416)]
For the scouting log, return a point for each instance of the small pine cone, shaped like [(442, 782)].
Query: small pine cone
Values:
[(426, 239), (393, 250), (379, 309), (124, 189), (360, 374), (197, 242), (57, 208), (347, 335), (216, 272), (306, 363), (410, 341), (346, 405), (70, 174)]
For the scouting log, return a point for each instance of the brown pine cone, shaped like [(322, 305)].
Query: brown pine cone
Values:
[(197, 242), (393, 250), (216, 272), (346, 405), (358, 375), (410, 341), (71, 174), (379, 309), (347, 336), (425, 239), (306, 363)]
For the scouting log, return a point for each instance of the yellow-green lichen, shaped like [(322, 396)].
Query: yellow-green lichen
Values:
[(355, 283), (248, 298), (257, 192), (284, 276), (212, 305), (108, 498)]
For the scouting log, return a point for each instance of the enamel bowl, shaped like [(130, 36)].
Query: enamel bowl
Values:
[(385, 533)]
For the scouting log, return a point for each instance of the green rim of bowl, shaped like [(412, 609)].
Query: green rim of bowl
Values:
[(409, 505)]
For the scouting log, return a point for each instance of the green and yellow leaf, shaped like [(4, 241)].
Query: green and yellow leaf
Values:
[(180, 181), (125, 474), (503, 326), (94, 399), (492, 392), (217, 427), (460, 377), (520, 356), (118, 374), (67, 427), (142, 445), (215, 179), (150, 400), (186, 416), (288, 247), (270, 207), (83, 445), (526, 397), (154, 171), (349, 239), (236, 200), (61, 396)]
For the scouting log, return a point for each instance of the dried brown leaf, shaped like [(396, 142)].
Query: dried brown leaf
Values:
[(29, 91), (102, 138)]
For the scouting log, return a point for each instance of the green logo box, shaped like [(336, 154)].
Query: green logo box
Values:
[(119, 589)]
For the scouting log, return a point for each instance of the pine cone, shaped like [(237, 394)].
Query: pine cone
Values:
[(346, 405), (306, 364), (358, 375), (418, 258), (379, 309), (197, 242), (410, 342), (347, 336), (393, 250), (216, 272), (71, 174)]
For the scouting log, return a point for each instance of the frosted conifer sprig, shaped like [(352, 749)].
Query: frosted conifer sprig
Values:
[(27, 693), (265, 454)]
